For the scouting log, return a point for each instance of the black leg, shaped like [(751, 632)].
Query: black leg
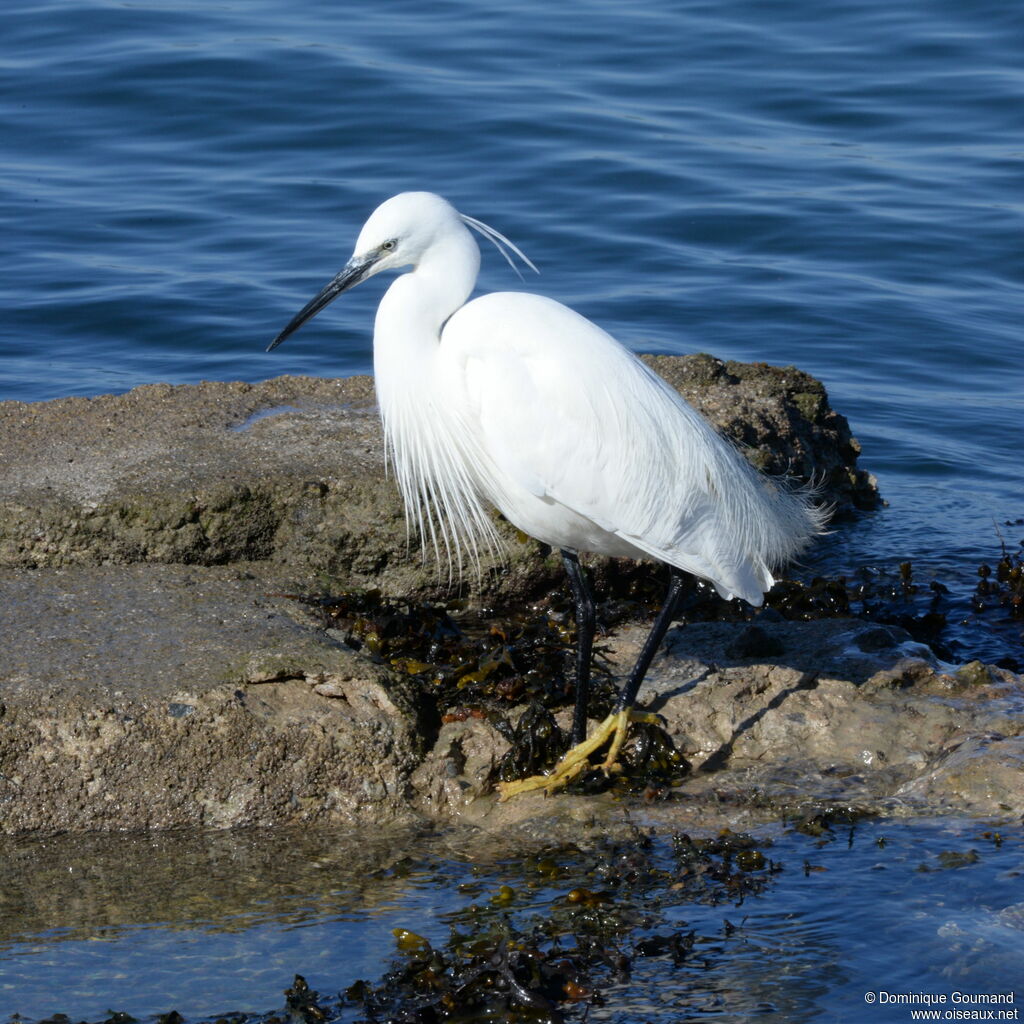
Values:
[(668, 612), (584, 641)]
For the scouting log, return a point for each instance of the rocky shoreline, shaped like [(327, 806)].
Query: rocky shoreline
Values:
[(157, 674)]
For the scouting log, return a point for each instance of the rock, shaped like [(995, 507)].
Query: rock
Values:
[(456, 771), (291, 471), (188, 696), (837, 717), (974, 673), (156, 674), (754, 642), (163, 696), (850, 715), (780, 417), (978, 774)]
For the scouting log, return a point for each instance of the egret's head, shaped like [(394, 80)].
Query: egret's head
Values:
[(397, 234), (402, 229)]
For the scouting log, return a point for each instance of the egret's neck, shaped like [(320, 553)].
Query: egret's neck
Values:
[(424, 444), (413, 311)]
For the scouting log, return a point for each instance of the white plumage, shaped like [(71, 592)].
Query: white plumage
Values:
[(584, 447), (516, 400)]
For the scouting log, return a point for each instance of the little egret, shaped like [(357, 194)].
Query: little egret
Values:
[(516, 400)]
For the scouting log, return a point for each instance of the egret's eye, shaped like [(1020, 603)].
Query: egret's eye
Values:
[(389, 244)]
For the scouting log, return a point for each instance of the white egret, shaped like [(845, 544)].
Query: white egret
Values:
[(516, 400)]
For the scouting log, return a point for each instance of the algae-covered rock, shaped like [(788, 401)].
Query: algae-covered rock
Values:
[(291, 471)]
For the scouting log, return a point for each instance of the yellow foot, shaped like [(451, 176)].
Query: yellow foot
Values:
[(615, 726)]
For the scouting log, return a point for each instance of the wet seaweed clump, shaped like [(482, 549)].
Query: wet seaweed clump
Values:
[(568, 930), (1001, 591), (550, 936), (466, 666), (877, 595), (897, 599), (730, 866), (985, 624), (470, 669), (957, 625), (892, 598), (824, 822), (649, 763)]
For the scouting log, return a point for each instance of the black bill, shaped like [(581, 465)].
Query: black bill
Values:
[(351, 274)]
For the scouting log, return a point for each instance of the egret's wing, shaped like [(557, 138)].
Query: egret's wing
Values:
[(565, 412)]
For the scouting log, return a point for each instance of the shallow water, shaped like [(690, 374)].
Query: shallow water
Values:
[(220, 923)]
